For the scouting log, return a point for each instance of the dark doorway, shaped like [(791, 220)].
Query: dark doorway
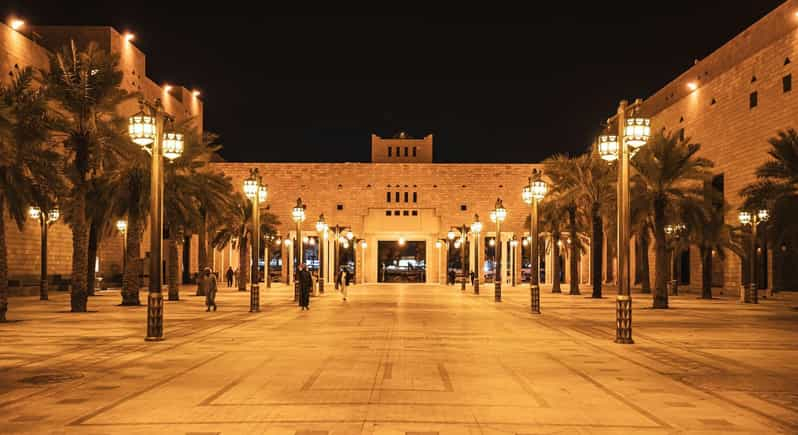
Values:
[(401, 263)]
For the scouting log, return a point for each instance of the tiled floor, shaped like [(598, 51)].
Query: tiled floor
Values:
[(400, 359)]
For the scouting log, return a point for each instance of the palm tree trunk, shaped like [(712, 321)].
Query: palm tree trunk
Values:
[(80, 256), (202, 258), (645, 279), (130, 281), (574, 257), (706, 272), (172, 275), (660, 257), (3, 263), (91, 275), (597, 241), (555, 267), (243, 265)]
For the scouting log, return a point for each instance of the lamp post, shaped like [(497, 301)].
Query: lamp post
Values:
[(633, 133), (498, 215), (461, 233), (252, 189), (673, 232), (148, 130), (263, 195), (532, 195), (121, 225), (751, 295), (298, 216), (476, 229), (45, 220), (321, 229)]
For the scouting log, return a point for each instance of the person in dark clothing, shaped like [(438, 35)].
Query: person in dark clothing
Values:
[(305, 284), (210, 289), (229, 275), (472, 277), (452, 277)]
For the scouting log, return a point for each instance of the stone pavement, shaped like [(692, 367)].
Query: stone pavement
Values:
[(400, 359)]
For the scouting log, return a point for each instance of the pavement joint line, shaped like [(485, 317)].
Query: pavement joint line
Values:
[(82, 420), (208, 401)]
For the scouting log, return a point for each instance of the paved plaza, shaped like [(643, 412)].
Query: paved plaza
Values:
[(400, 359)]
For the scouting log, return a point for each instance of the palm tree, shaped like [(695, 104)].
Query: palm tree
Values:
[(28, 164), (669, 178), (84, 87), (595, 182), (237, 230), (641, 228), (552, 216)]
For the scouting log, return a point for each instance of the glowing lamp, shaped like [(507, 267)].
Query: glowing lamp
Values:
[(121, 225), (34, 212), (172, 145), (745, 217), (637, 131), (53, 215), (608, 147), (141, 129)]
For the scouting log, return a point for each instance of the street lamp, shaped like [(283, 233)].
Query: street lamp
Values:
[(298, 216), (461, 233), (751, 295), (532, 195), (121, 226), (252, 190), (476, 229), (321, 229), (633, 133), (673, 233), (45, 220), (498, 215), (147, 129)]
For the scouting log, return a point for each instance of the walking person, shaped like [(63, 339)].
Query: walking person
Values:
[(344, 281), (229, 275), (210, 289), (305, 283)]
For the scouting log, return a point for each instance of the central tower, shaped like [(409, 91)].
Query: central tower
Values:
[(401, 149)]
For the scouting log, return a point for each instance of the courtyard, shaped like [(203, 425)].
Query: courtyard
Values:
[(401, 359)]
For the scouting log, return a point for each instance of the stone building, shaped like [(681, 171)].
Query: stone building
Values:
[(31, 46), (730, 102)]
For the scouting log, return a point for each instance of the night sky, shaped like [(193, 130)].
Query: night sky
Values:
[(498, 85)]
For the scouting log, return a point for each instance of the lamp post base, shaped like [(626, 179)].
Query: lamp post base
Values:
[(623, 319), (534, 295), (476, 286), (497, 292), (254, 299), (751, 294), (43, 290), (462, 284), (154, 316)]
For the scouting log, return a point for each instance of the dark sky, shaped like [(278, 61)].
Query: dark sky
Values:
[(503, 85)]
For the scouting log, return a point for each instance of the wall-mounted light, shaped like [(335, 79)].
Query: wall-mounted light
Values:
[(167, 88), (196, 94), (129, 36), (692, 86), (17, 24)]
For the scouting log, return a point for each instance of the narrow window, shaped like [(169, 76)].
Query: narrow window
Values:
[(406, 196), (786, 83), (753, 100), (340, 207), (387, 212), (415, 196), (463, 207), (397, 152), (414, 151), (405, 151), (389, 151), (388, 197), (406, 213), (414, 212), (396, 212), (397, 196)]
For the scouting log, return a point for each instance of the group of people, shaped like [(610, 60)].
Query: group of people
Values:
[(451, 277), (306, 281)]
